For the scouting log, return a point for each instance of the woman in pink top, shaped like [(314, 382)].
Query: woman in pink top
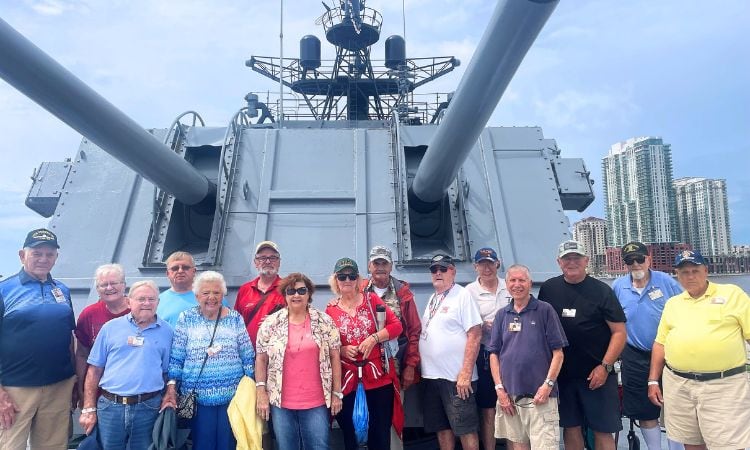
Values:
[(298, 369)]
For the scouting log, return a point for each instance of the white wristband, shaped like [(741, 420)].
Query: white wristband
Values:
[(88, 410), (499, 386), (260, 384), (653, 383)]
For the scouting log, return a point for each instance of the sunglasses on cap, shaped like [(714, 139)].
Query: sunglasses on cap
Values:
[(345, 276), (640, 259), (435, 269), (298, 291)]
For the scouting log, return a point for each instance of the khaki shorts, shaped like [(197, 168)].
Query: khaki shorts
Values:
[(538, 425), (43, 417), (715, 412)]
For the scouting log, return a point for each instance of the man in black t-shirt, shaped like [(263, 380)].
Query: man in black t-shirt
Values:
[(594, 323)]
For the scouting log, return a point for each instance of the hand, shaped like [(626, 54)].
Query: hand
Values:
[(336, 405), (542, 394), (8, 410), (597, 377), (262, 405), (76, 398), (505, 402), (170, 398), (654, 394), (349, 352), (407, 377), (366, 346), (87, 422), (463, 387)]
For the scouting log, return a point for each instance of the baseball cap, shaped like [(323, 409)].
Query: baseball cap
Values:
[(40, 236), (633, 249), (346, 263), (689, 256), (441, 260), (380, 252), (568, 247), (486, 254), (267, 244)]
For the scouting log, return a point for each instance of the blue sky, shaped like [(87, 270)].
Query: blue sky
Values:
[(599, 73)]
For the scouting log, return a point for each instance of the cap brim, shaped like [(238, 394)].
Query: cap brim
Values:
[(486, 258), (375, 258), (571, 252), (695, 263), (40, 243)]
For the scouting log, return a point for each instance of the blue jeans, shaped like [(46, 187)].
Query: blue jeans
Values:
[(126, 426), (211, 429), (296, 429)]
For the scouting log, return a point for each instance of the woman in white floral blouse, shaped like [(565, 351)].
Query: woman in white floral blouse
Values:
[(298, 369)]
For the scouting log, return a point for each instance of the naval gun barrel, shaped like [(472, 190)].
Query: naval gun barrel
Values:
[(27, 68), (513, 27)]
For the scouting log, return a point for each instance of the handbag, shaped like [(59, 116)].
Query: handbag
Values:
[(187, 404)]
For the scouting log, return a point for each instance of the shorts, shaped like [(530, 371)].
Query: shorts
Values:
[(599, 409), (442, 409), (485, 392), (537, 425), (635, 402)]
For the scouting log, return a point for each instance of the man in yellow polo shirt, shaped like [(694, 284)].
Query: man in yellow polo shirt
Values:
[(701, 340)]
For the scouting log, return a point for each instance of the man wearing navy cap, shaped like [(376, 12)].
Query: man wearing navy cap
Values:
[(701, 342), (36, 341), (642, 294)]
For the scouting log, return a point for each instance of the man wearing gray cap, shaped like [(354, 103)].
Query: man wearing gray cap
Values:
[(594, 323), (36, 341)]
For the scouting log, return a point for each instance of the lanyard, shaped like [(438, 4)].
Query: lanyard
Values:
[(435, 301)]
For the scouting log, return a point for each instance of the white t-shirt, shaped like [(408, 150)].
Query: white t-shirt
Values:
[(489, 304), (443, 340)]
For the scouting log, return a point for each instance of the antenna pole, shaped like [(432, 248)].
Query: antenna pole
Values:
[(281, 64)]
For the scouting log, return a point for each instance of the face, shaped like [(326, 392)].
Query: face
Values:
[(143, 302), (638, 266), (487, 269), (518, 284), (693, 278), (347, 285), (380, 270), (111, 287), (267, 262), (295, 300), (573, 267), (210, 294), (38, 261), (442, 280), (181, 273)]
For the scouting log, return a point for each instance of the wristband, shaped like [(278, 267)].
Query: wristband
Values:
[(339, 395), (499, 386), (171, 382), (653, 383), (260, 384), (88, 410), (375, 336)]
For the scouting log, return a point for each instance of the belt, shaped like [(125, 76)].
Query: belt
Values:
[(706, 376), (129, 399)]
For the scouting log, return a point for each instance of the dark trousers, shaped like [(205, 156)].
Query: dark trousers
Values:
[(380, 408)]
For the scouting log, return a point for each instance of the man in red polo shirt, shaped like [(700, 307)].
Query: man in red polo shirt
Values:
[(260, 297)]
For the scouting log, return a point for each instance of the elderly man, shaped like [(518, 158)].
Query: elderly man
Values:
[(594, 324), (525, 358), (127, 367), (701, 341), (179, 297), (642, 294), (489, 292), (109, 280), (260, 297), (36, 350), (451, 331)]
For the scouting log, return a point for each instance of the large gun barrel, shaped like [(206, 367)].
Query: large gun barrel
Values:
[(41, 78), (513, 27)]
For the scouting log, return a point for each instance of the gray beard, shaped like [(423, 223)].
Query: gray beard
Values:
[(638, 274), (269, 272)]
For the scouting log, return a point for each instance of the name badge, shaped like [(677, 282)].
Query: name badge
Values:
[(655, 294), (718, 300), (58, 294), (135, 341), (214, 349), (568, 312), (514, 327)]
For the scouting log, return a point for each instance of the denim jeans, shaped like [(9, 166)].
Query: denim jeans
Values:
[(126, 426), (296, 429), (211, 428)]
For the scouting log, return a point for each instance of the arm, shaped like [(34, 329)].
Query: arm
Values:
[(391, 330), (91, 388), (262, 405), (599, 374), (654, 374), (502, 395), (542, 394), (413, 331), (463, 382), (82, 355), (336, 403)]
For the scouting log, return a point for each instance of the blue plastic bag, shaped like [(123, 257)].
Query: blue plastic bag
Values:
[(360, 416)]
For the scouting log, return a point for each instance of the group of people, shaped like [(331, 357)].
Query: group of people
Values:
[(492, 359)]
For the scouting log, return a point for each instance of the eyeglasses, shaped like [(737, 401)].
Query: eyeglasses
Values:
[(272, 259), (298, 291), (109, 283), (435, 269), (177, 268), (640, 259), (345, 276), (146, 299)]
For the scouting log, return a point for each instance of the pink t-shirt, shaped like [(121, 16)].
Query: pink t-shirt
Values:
[(301, 387)]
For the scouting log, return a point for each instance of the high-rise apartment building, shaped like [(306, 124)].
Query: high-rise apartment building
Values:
[(638, 192), (703, 214), (591, 233)]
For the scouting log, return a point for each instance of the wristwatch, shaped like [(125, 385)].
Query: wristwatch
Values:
[(608, 367), (340, 395), (549, 382)]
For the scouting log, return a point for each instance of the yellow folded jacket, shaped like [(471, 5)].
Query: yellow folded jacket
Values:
[(246, 424)]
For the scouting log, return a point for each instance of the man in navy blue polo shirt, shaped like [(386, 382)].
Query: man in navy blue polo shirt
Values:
[(525, 358), (36, 341)]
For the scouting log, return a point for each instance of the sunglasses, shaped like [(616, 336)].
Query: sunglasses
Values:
[(298, 291), (177, 268), (346, 276), (435, 269), (640, 259)]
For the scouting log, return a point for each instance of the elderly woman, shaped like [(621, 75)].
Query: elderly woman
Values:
[(211, 352), (354, 313), (298, 369)]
